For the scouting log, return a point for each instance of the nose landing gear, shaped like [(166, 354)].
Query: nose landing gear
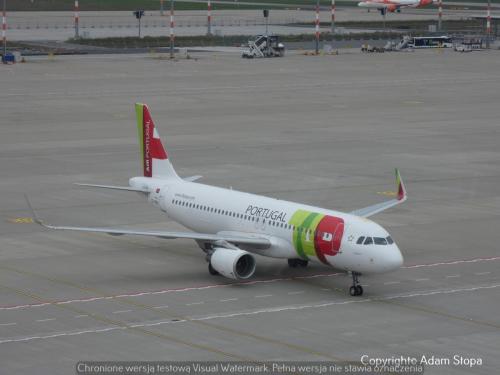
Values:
[(355, 289)]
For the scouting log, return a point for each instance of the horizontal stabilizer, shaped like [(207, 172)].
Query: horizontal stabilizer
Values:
[(192, 178), (126, 188)]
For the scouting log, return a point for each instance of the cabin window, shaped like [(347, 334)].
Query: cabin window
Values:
[(368, 241), (360, 240), (390, 241)]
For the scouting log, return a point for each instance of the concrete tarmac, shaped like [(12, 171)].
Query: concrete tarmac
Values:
[(325, 130)]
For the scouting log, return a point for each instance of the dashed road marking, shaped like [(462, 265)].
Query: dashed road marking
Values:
[(262, 311), (195, 303), (482, 273), (253, 282), (425, 279), (80, 316), (160, 307), (263, 295), (452, 276), (121, 311), (45, 320), (326, 289), (392, 282), (7, 324), (294, 293), (228, 299)]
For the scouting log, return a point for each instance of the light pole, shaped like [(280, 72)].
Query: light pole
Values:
[(440, 14), (138, 14), (266, 17), (488, 24), (4, 28), (333, 16), (172, 37), (77, 19), (317, 27), (209, 18)]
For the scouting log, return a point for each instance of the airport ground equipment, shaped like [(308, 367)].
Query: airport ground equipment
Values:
[(468, 44), (264, 46)]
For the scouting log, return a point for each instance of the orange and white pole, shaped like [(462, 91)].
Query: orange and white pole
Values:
[(4, 28), (172, 25), (488, 24), (77, 19), (317, 27), (440, 14), (209, 18), (333, 16)]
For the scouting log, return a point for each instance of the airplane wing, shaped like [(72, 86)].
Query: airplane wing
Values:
[(236, 238), (379, 207)]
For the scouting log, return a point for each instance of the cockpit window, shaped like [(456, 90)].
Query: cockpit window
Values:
[(380, 241), (390, 241), (368, 241), (360, 240)]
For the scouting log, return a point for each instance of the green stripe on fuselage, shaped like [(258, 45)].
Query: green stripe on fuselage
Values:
[(303, 221), (310, 224)]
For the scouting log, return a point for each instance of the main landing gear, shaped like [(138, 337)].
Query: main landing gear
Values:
[(355, 289), (294, 263)]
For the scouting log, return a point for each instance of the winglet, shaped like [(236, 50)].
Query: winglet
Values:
[(402, 195), (35, 217)]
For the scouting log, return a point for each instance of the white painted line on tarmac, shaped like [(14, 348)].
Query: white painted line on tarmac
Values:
[(45, 320), (228, 299), (195, 303), (121, 311), (392, 282), (418, 280), (256, 312), (7, 324), (160, 307), (326, 289), (452, 276), (482, 273), (263, 295), (253, 282), (295, 293), (80, 316)]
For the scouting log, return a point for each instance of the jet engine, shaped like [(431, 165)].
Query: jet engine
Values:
[(234, 264)]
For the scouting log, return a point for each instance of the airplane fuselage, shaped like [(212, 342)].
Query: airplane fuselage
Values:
[(294, 230)]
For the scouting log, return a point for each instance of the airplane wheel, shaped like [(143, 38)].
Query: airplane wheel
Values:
[(353, 291), (212, 270), (359, 290), (303, 263)]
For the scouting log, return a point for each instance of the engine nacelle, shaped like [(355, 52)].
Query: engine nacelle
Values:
[(233, 264)]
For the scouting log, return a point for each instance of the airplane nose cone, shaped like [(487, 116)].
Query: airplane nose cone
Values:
[(395, 258)]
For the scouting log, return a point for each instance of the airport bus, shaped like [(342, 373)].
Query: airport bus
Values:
[(430, 42)]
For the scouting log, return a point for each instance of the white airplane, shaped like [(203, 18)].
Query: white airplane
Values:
[(393, 5), (230, 226)]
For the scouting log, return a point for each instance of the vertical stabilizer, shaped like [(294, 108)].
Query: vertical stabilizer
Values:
[(155, 160)]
